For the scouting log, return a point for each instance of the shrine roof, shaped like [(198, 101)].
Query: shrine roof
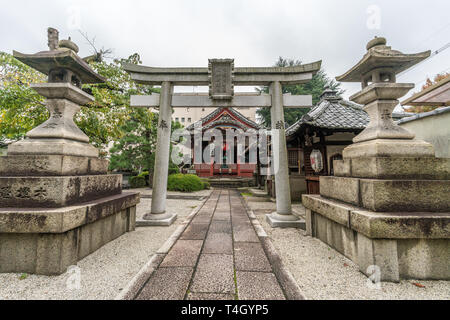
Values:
[(333, 113), (215, 116)]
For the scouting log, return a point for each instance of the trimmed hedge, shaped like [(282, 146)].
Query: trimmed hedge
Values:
[(173, 169), (184, 183), (137, 182), (206, 184)]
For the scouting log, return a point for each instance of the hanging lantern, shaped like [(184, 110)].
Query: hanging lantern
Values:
[(316, 160)]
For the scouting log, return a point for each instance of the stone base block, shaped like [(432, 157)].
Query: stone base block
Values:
[(51, 165), (389, 195), (389, 148), (53, 146), (53, 192), (397, 245), (276, 220), (163, 220), (394, 168), (48, 242)]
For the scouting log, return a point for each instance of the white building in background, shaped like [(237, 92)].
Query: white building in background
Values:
[(187, 116)]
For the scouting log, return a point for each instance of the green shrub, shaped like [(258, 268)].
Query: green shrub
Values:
[(173, 169), (184, 182), (137, 182), (143, 174), (206, 184)]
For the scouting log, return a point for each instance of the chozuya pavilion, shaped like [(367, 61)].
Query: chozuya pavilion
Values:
[(58, 203), (388, 207)]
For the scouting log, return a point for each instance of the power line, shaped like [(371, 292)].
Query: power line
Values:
[(432, 55), (433, 34)]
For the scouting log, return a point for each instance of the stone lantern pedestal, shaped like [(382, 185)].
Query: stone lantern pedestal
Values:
[(388, 206), (58, 203)]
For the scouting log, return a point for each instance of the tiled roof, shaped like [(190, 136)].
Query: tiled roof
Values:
[(217, 111), (333, 113), (424, 115)]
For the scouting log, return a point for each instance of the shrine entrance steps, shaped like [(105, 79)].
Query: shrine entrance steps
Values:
[(224, 182), (222, 254)]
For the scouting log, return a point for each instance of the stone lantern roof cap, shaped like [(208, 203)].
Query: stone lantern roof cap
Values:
[(379, 55), (45, 61)]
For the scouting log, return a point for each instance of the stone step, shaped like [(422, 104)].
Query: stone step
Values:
[(389, 195)]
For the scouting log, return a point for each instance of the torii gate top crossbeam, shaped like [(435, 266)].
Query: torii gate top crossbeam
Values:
[(243, 76)]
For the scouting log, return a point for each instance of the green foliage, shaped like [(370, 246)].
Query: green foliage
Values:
[(143, 174), (206, 184), (104, 119), (173, 168), (137, 182), (314, 87), (184, 182), (21, 108), (135, 150)]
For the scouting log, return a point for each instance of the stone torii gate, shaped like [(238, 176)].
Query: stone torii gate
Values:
[(221, 76)]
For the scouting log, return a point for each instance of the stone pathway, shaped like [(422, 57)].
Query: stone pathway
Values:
[(219, 256)]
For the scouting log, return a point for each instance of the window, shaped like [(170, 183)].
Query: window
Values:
[(177, 119), (182, 119), (189, 120)]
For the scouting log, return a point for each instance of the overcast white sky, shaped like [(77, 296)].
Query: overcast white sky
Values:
[(254, 33)]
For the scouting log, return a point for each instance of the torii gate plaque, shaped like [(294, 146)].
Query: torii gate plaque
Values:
[(221, 76)]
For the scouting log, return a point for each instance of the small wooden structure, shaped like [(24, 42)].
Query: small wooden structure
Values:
[(328, 128)]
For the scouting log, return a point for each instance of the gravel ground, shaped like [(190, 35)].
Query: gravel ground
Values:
[(105, 272), (323, 273)]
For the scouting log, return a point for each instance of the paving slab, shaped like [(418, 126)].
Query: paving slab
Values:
[(220, 227), (214, 274), (258, 286), (183, 254), (222, 215), (244, 232), (250, 257), (167, 284), (195, 231), (219, 243)]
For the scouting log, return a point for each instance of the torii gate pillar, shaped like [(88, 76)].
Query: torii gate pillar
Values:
[(283, 217), (158, 215)]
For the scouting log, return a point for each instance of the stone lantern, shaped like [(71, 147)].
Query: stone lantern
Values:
[(387, 207), (66, 73), (58, 203), (379, 95)]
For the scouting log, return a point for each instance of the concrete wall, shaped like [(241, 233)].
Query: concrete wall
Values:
[(434, 129)]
